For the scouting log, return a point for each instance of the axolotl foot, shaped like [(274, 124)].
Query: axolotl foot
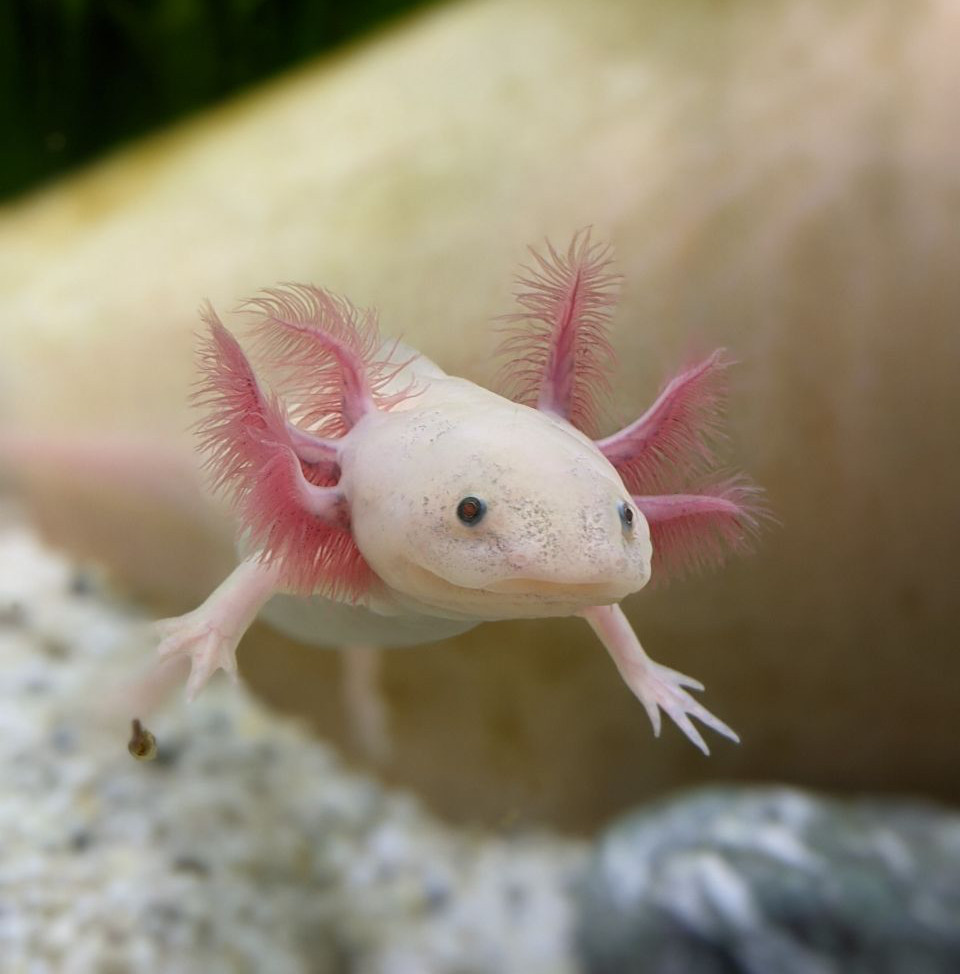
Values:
[(660, 688), (196, 637), (657, 687), (208, 636)]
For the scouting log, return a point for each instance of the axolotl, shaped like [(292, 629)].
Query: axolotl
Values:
[(380, 501)]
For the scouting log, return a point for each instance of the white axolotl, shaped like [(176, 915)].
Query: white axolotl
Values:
[(383, 502)]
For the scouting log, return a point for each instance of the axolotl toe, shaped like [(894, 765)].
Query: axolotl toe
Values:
[(380, 501)]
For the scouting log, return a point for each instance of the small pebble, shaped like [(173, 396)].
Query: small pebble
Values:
[(142, 744)]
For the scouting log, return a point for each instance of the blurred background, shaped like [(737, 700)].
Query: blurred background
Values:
[(81, 76), (781, 178)]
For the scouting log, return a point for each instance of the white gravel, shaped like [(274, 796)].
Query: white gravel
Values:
[(245, 846)]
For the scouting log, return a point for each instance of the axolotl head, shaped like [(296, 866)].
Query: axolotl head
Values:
[(471, 505)]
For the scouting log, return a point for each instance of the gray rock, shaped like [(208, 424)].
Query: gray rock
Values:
[(774, 881)]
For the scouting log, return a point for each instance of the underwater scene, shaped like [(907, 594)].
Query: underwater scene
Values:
[(478, 487)]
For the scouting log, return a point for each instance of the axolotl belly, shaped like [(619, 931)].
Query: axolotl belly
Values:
[(382, 502)]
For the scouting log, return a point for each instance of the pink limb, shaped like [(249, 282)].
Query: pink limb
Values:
[(366, 706), (674, 433), (208, 636), (657, 687)]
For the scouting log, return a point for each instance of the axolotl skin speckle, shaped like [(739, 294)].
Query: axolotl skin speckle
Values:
[(382, 502)]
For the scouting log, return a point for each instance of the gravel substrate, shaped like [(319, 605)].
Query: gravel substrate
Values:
[(245, 846)]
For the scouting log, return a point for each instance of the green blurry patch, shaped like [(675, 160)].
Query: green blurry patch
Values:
[(77, 76)]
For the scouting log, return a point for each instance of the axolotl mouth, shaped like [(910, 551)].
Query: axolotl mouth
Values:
[(600, 591), (511, 597)]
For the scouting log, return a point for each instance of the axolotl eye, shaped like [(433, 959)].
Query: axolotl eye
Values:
[(627, 516), (471, 510)]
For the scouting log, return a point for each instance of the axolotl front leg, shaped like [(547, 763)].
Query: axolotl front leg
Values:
[(207, 638), (209, 635), (656, 686)]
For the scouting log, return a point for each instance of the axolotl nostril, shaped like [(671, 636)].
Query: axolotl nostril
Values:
[(382, 502)]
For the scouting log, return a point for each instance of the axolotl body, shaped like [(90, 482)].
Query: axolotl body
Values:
[(383, 502)]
